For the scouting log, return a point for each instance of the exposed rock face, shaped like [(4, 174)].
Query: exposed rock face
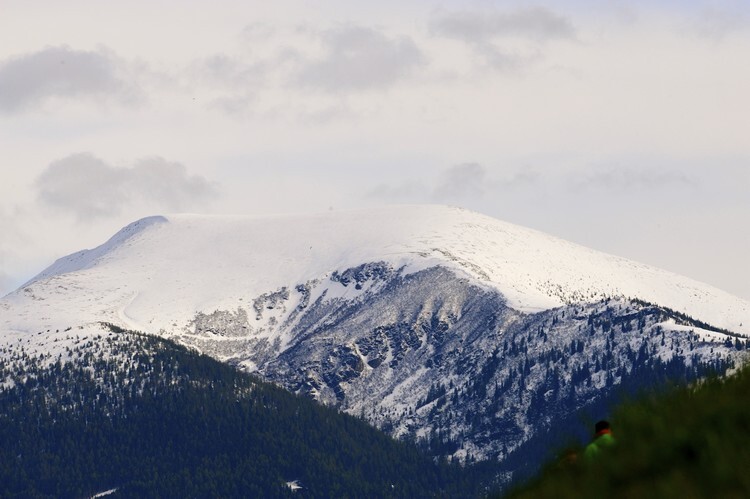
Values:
[(437, 357)]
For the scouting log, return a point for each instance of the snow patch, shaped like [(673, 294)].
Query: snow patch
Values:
[(294, 485), (104, 494)]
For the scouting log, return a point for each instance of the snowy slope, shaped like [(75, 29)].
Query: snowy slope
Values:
[(156, 274)]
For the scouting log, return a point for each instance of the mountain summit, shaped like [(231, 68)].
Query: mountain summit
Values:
[(161, 271)]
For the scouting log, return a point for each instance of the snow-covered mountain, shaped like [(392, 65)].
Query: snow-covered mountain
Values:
[(431, 322), (161, 271)]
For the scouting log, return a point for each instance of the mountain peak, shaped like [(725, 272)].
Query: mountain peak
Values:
[(162, 270), (84, 259)]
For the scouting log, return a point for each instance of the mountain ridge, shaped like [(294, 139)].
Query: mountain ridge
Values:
[(249, 256)]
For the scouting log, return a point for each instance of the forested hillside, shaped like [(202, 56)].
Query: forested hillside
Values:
[(152, 419)]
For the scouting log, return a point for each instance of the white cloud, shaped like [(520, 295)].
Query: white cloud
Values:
[(30, 80), (464, 180), (505, 40), (535, 23), (630, 178), (238, 105), (358, 58), (88, 187), (272, 64), (257, 32), (467, 183), (226, 71)]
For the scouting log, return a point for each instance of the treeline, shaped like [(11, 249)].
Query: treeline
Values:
[(153, 419)]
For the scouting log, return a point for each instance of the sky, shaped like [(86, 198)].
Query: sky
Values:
[(622, 126)]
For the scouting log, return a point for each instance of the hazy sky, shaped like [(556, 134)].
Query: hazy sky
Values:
[(623, 126)]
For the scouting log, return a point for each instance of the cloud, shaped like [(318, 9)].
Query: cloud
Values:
[(238, 81), (505, 40), (464, 180), (625, 178), (235, 105), (230, 72), (257, 31), (535, 23), (234, 81), (87, 187), (527, 177), (397, 193), (292, 62), (30, 80), (357, 58)]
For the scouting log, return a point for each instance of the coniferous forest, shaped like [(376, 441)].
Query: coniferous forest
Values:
[(153, 419), (146, 417)]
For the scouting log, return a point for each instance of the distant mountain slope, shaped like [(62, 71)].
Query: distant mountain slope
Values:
[(477, 338)]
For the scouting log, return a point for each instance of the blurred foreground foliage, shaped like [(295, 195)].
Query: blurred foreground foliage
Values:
[(687, 442)]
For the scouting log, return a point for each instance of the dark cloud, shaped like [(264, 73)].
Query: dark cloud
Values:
[(60, 72), (358, 58), (464, 180), (88, 187), (536, 23)]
